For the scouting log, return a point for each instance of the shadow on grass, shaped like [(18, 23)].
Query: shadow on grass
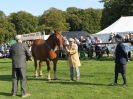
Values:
[(9, 78), (8, 94), (5, 94), (66, 82), (76, 83), (85, 75), (5, 62), (5, 77), (38, 78)]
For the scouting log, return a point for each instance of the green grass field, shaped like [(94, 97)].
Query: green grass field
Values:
[(96, 77)]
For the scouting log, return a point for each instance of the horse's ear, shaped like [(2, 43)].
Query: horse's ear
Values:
[(57, 31)]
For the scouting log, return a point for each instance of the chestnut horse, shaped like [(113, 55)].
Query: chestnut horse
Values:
[(47, 50)]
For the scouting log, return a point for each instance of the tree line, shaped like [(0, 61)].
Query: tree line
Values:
[(73, 19)]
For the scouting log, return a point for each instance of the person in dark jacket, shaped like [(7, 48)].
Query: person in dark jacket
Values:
[(19, 53), (121, 59)]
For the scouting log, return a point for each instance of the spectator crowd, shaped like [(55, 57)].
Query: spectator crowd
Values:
[(87, 46), (4, 50)]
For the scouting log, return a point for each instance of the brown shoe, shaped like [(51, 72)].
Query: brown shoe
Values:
[(78, 78), (13, 95), (26, 95)]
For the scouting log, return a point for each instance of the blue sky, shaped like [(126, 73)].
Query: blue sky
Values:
[(37, 7)]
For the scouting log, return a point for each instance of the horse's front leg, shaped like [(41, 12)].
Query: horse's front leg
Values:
[(54, 67), (40, 69), (49, 69)]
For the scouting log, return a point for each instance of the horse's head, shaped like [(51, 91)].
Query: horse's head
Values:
[(59, 40), (56, 39)]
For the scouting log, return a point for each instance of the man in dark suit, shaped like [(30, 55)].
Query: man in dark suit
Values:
[(19, 53), (121, 59)]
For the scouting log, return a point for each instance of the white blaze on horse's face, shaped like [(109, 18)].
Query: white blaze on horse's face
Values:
[(56, 48)]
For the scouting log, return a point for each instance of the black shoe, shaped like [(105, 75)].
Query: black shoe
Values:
[(71, 79), (125, 84), (114, 84)]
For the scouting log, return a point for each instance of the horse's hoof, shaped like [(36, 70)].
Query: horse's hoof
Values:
[(36, 77), (55, 79), (49, 79), (41, 76)]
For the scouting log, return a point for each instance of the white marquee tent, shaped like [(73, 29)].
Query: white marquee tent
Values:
[(123, 25)]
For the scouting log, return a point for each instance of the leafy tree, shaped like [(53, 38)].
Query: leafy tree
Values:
[(88, 20), (2, 15), (91, 20), (73, 18), (114, 9), (24, 22), (74, 22), (7, 29), (54, 19), (73, 10)]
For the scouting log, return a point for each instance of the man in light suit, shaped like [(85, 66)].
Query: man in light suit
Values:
[(19, 53), (121, 59)]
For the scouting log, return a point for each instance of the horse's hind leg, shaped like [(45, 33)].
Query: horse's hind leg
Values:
[(54, 67), (40, 69), (35, 64), (48, 68)]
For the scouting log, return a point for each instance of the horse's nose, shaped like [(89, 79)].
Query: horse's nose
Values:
[(61, 47)]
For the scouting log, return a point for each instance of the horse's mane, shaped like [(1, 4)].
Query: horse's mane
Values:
[(51, 35)]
